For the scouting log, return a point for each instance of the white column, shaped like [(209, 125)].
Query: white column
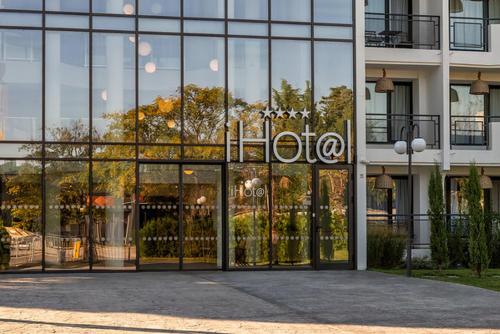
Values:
[(360, 174)]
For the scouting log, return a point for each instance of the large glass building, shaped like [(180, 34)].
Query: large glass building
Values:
[(176, 134)]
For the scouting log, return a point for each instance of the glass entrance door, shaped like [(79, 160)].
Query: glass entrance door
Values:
[(180, 216), (333, 218)]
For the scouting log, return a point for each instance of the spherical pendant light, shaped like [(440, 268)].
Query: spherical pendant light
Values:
[(485, 181), (400, 147), (384, 84), (383, 181), (454, 95), (456, 6), (418, 144), (479, 87)]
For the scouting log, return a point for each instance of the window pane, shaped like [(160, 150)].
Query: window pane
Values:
[(67, 219), (333, 86), (291, 214), (204, 90), (24, 4), (377, 125), (291, 10), (248, 83), (159, 95), (126, 7), (159, 7), (113, 215), (159, 216), (204, 8), (248, 215), (21, 83), (202, 217), (67, 85), (248, 9), (467, 117), (20, 215), (291, 80), (67, 5), (333, 11), (113, 86)]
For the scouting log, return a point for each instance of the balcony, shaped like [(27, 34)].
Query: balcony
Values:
[(386, 128), (470, 33), (471, 130), (402, 31)]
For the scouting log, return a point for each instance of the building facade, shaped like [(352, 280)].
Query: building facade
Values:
[(167, 134), (234, 134)]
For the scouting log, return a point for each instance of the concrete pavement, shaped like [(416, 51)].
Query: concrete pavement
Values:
[(242, 302)]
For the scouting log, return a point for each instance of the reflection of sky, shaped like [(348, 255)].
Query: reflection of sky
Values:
[(204, 61), (291, 62), (333, 67)]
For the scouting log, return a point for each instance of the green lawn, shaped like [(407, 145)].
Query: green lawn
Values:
[(489, 280)]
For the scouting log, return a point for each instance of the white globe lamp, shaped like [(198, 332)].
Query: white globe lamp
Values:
[(418, 144), (400, 147)]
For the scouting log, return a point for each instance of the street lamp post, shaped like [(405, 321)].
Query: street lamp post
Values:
[(418, 144)]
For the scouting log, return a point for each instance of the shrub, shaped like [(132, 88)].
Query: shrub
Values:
[(457, 245), (478, 247), (4, 248), (439, 248), (385, 249), (422, 263)]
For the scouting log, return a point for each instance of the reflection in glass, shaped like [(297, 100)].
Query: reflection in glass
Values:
[(204, 90), (113, 215), (66, 86), (247, 9), (159, 216), (204, 8), (248, 215), (291, 10), (333, 217), (20, 85), (159, 7), (333, 100), (67, 215), (67, 5), (24, 4), (202, 217), (333, 11), (113, 86), (248, 83), (124, 7), (20, 215), (291, 223), (291, 82), (159, 112), (468, 117)]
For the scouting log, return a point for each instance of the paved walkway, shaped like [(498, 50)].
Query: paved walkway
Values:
[(242, 302)]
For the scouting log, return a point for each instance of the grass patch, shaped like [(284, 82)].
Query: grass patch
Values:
[(490, 279)]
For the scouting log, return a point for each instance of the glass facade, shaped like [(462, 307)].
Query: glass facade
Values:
[(176, 134)]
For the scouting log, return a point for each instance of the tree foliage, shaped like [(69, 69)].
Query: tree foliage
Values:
[(439, 248)]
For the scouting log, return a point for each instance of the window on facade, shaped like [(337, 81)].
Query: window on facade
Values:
[(468, 117), (204, 8), (67, 5), (159, 7), (291, 10), (24, 4), (333, 11), (248, 9)]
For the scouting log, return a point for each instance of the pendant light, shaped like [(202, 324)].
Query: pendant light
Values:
[(384, 84), (368, 95), (485, 181), (454, 95), (383, 181), (456, 6), (479, 87)]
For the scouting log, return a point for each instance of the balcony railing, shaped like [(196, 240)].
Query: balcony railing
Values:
[(402, 31), (470, 33), (471, 130), (386, 128)]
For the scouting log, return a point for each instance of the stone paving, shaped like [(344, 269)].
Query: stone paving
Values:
[(242, 302)]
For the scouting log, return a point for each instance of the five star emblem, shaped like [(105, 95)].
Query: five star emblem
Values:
[(305, 113), (292, 113), (267, 113), (280, 113)]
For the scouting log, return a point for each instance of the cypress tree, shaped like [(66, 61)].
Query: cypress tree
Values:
[(439, 242), (478, 248)]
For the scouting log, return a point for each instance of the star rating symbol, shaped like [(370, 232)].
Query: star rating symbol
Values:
[(267, 113), (280, 113), (305, 113), (292, 113)]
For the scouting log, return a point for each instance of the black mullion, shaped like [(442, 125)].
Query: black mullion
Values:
[(137, 166), (225, 213), (180, 166), (91, 146), (270, 129), (44, 195), (314, 244)]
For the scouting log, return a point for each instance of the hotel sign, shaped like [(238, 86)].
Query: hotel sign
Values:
[(327, 148)]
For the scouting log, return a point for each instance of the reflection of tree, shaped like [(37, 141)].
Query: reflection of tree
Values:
[(334, 109)]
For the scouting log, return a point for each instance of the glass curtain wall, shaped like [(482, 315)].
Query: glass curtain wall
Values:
[(114, 118)]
